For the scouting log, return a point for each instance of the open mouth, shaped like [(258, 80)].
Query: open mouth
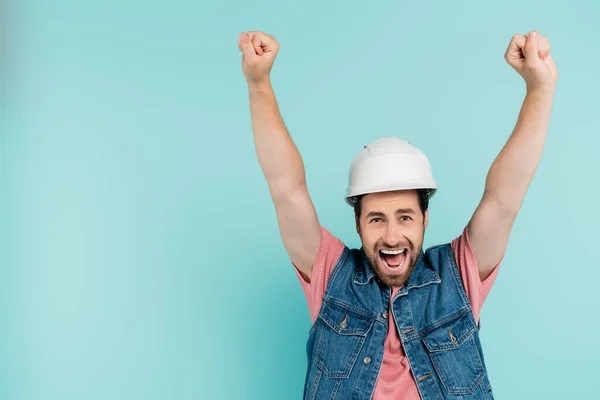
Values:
[(394, 259)]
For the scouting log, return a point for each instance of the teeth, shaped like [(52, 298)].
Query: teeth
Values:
[(393, 251)]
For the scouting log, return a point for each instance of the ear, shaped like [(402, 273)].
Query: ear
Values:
[(426, 219)]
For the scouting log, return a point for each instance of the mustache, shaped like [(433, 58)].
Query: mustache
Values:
[(381, 245)]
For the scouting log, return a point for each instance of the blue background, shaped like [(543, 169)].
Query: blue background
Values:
[(139, 251)]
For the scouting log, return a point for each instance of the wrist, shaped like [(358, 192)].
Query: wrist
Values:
[(259, 84), (543, 90)]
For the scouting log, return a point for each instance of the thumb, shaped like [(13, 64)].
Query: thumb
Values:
[(245, 45), (531, 47)]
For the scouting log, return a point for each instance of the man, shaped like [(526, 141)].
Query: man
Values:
[(392, 321)]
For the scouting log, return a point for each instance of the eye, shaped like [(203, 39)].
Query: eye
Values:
[(405, 218), (376, 220)]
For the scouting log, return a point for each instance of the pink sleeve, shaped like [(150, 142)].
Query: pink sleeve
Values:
[(330, 250), (477, 290)]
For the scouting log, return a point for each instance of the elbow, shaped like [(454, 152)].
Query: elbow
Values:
[(507, 204), (286, 188)]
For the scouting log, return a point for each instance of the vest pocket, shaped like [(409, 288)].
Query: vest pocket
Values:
[(455, 355), (341, 334)]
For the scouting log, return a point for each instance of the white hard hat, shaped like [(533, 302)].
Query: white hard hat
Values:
[(389, 164)]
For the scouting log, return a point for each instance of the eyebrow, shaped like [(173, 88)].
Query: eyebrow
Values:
[(398, 212)]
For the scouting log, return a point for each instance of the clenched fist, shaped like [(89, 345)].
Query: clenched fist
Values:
[(530, 56), (258, 54)]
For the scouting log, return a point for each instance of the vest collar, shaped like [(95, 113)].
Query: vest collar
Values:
[(364, 272), (421, 276)]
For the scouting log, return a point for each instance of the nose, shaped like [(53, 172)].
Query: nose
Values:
[(392, 234)]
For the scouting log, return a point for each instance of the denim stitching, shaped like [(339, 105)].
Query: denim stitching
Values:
[(455, 315), (463, 338), (351, 361), (456, 274), (315, 385), (347, 332), (350, 307), (337, 268), (335, 389), (467, 390), (368, 319)]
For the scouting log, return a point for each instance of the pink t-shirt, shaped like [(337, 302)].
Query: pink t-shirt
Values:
[(395, 378)]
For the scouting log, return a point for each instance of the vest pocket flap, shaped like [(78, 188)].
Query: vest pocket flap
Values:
[(449, 335), (345, 321)]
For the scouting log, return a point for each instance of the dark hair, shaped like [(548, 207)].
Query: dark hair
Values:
[(424, 196)]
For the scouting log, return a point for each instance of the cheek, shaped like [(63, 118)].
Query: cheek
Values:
[(415, 233), (369, 237)]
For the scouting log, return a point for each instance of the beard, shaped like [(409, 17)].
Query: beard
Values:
[(388, 275)]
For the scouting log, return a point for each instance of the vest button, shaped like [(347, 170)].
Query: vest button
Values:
[(384, 315), (367, 360)]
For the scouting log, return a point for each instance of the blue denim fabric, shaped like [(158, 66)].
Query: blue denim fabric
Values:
[(434, 320)]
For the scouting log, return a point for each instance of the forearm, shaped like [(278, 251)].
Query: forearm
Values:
[(514, 168), (277, 154)]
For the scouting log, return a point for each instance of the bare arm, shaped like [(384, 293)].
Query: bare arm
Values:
[(514, 168), (278, 156)]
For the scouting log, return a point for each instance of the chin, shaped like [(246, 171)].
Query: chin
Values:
[(395, 280), (393, 276)]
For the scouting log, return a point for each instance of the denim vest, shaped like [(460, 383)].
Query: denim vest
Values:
[(434, 320)]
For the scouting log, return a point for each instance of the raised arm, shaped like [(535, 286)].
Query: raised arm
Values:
[(277, 154), (514, 168)]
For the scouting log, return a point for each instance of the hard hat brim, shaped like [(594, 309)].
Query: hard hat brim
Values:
[(353, 192)]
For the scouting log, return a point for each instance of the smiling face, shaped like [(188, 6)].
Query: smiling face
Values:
[(392, 226)]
